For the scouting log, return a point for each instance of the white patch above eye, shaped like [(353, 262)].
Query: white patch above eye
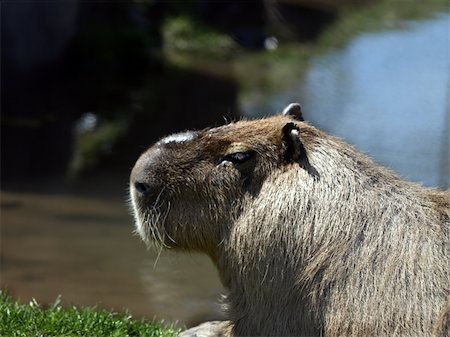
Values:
[(179, 137)]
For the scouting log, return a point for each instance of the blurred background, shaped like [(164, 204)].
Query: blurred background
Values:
[(87, 86)]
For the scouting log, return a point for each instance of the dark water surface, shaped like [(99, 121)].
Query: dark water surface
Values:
[(387, 93)]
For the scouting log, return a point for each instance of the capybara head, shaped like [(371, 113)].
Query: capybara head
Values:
[(188, 187)]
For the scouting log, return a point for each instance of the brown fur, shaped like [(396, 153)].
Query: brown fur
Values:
[(347, 249)]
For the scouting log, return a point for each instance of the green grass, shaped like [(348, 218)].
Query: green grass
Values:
[(32, 320)]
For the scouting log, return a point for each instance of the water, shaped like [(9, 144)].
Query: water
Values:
[(387, 93), (78, 242)]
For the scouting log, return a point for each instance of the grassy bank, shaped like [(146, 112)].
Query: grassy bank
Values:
[(32, 319)]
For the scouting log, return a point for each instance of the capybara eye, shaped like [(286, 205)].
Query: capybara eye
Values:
[(238, 157)]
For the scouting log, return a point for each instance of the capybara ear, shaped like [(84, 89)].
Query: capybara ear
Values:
[(295, 150), (294, 110)]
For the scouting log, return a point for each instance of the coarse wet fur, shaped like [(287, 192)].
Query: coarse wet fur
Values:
[(310, 236)]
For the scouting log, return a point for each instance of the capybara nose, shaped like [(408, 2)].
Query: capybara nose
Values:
[(148, 190), (146, 176), (143, 188)]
